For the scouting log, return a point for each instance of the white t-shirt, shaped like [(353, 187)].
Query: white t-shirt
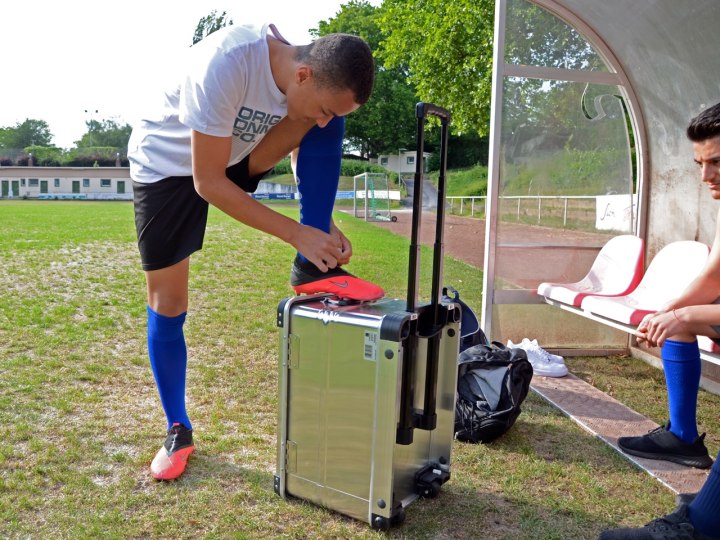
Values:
[(226, 90)]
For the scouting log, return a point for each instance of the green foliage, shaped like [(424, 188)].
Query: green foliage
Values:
[(469, 182), (446, 48), (283, 167), (92, 156), (4, 136), (99, 145), (46, 156), (463, 151), (536, 37), (209, 24), (105, 133), (353, 167), (348, 167), (27, 133), (386, 122), (74, 367), (357, 17), (572, 172)]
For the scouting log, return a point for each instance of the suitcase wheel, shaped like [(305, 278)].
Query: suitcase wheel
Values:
[(431, 490), (429, 480), (380, 523)]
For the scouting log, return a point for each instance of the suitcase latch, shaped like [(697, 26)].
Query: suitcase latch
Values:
[(291, 457), (293, 352)]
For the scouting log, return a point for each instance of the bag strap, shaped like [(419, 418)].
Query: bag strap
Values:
[(455, 295)]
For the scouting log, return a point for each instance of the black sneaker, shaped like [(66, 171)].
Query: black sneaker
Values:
[(675, 526), (660, 443), (306, 278)]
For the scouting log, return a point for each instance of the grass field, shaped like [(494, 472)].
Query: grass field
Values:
[(80, 419)]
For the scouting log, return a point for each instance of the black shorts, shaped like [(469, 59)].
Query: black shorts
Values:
[(170, 216)]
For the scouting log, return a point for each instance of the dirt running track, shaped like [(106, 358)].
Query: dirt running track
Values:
[(464, 240)]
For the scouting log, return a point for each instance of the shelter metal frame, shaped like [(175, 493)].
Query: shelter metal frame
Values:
[(500, 71)]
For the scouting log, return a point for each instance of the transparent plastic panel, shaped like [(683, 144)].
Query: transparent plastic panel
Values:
[(566, 180), (535, 37), (555, 329)]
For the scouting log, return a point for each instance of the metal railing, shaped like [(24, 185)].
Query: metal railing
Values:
[(462, 204), (552, 205)]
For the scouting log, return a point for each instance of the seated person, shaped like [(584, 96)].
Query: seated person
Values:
[(696, 312)]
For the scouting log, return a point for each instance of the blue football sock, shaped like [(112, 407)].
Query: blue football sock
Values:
[(681, 362), (705, 509), (318, 173), (168, 358)]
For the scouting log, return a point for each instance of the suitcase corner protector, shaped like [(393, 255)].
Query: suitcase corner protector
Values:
[(276, 486)]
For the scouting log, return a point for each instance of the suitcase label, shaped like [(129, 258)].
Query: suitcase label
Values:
[(371, 345)]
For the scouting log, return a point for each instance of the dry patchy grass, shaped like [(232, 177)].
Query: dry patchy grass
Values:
[(80, 419)]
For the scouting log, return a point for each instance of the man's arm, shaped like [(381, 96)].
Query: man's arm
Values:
[(693, 311), (210, 156), (704, 289)]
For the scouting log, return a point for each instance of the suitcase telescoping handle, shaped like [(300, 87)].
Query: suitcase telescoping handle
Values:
[(422, 110), (432, 324)]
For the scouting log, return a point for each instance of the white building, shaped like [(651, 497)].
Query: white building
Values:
[(402, 162), (66, 183)]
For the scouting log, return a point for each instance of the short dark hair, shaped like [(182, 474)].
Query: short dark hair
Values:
[(705, 125), (341, 61)]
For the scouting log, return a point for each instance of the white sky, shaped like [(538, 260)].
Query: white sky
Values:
[(59, 59)]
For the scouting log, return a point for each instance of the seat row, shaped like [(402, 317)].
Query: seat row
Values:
[(618, 292)]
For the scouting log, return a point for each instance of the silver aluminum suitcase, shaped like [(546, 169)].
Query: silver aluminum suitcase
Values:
[(367, 391)]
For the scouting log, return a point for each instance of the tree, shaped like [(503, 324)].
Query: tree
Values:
[(106, 133), (27, 133), (446, 47), (45, 156), (4, 134), (209, 24), (386, 122)]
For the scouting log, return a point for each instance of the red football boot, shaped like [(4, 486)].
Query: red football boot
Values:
[(171, 459), (305, 278)]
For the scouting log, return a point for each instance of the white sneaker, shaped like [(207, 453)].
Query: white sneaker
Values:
[(552, 357), (543, 363)]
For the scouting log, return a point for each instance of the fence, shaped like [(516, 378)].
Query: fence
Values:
[(461, 205), (576, 211)]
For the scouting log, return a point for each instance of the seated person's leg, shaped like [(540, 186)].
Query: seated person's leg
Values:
[(678, 441), (700, 519), (681, 363), (704, 510), (317, 174)]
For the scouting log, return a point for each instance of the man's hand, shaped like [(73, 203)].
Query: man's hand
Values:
[(322, 249), (345, 244), (656, 327)]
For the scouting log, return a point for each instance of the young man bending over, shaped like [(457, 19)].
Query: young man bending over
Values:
[(245, 100)]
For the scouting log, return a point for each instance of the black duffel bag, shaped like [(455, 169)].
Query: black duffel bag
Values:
[(492, 383)]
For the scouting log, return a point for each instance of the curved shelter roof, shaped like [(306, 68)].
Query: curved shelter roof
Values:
[(668, 49)]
